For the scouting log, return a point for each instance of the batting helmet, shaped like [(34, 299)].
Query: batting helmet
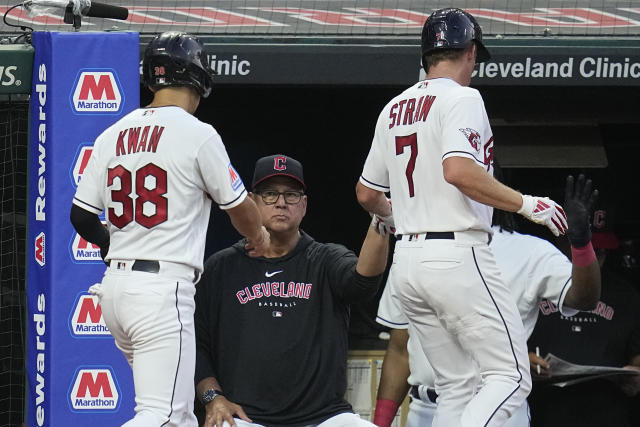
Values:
[(176, 59), (452, 28)]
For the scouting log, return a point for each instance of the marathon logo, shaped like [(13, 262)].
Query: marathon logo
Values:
[(96, 91), (94, 390), (86, 318), (236, 181), (80, 163), (39, 249), (83, 251)]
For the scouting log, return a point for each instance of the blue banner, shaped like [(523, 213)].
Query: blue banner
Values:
[(82, 83)]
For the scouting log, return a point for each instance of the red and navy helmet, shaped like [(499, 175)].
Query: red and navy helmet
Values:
[(452, 28), (175, 58)]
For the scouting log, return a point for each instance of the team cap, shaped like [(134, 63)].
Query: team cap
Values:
[(602, 234), (277, 165)]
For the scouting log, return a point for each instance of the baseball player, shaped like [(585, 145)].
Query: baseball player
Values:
[(154, 173), (534, 270), (433, 150)]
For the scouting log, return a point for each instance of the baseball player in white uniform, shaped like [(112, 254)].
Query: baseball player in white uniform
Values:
[(534, 270), (433, 150), (154, 173)]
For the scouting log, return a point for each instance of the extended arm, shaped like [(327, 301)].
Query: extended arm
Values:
[(474, 182), (393, 386), (585, 275)]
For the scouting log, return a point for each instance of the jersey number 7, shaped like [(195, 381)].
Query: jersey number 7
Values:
[(401, 143), (131, 206)]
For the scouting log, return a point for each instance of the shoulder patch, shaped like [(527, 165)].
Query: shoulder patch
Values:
[(473, 136), (236, 181)]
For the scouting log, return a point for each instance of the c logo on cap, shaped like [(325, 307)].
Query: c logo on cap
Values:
[(280, 163), (599, 219)]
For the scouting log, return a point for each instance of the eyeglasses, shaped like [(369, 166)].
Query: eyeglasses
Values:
[(269, 197)]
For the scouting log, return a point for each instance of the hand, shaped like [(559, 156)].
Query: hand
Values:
[(543, 210), (260, 246), (578, 204), (383, 225), (630, 384), (220, 410), (534, 362)]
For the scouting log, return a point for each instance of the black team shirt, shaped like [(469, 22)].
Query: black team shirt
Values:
[(609, 335), (274, 331)]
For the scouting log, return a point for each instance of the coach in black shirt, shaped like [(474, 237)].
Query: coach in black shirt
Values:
[(271, 332)]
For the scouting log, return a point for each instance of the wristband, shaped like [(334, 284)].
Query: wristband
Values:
[(584, 256), (385, 412)]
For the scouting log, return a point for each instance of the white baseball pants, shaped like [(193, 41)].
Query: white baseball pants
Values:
[(341, 420), (452, 293), (421, 414), (150, 316)]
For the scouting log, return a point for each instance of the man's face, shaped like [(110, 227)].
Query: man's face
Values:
[(281, 216)]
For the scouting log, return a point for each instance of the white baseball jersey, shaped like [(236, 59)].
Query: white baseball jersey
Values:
[(427, 123), (532, 268), (155, 172)]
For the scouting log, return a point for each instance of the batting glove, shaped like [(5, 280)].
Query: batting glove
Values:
[(543, 210), (383, 224), (578, 204)]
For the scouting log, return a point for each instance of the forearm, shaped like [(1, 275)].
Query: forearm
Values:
[(395, 368), (393, 381), (246, 219), (89, 226), (373, 254), (584, 293), (372, 200), (474, 182)]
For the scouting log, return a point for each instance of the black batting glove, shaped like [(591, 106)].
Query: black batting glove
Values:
[(578, 205)]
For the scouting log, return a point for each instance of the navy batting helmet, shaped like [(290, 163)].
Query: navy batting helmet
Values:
[(452, 28), (176, 59)]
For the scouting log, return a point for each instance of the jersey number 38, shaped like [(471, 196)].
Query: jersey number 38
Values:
[(133, 208)]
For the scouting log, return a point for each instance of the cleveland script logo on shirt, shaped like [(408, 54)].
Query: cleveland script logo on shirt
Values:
[(259, 291)]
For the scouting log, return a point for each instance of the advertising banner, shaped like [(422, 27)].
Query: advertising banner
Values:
[(81, 84)]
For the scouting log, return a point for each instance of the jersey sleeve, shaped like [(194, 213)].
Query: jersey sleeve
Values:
[(90, 192), (375, 174), (390, 312), (553, 276), (466, 131), (221, 181)]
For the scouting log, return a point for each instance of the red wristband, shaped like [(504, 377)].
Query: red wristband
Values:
[(581, 257), (385, 412)]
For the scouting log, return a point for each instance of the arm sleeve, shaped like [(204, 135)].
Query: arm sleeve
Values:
[(221, 181), (375, 174), (205, 320), (90, 193), (466, 130), (346, 283), (89, 226)]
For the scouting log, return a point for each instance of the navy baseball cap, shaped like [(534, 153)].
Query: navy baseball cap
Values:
[(277, 165)]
